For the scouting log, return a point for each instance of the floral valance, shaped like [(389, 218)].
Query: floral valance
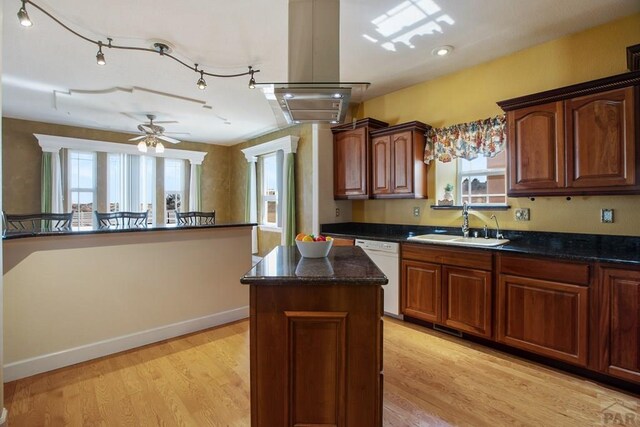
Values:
[(466, 140)]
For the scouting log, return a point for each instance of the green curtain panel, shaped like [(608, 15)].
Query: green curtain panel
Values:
[(289, 228), (47, 184)]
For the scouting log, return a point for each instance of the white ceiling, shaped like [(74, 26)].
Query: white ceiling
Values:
[(51, 76)]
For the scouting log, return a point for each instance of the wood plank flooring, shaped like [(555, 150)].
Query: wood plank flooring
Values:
[(202, 379)]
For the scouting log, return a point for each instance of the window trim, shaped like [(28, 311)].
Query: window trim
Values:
[(460, 176)]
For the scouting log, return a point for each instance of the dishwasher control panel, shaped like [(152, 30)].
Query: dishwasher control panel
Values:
[(375, 245)]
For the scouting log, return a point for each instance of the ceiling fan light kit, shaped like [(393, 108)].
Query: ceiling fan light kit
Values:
[(161, 48), (152, 134)]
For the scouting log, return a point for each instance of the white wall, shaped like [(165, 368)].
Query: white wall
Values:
[(74, 298)]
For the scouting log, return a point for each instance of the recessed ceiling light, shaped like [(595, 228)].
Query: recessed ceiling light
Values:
[(442, 50)]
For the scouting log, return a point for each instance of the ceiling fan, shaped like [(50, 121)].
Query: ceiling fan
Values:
[(152, 131)]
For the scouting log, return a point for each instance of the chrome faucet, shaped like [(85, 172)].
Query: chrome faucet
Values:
[(465, 219), (498, 233)]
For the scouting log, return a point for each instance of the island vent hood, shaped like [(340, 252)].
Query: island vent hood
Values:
[(314, 92)]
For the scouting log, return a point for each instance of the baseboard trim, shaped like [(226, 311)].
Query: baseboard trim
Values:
[(47, 362)]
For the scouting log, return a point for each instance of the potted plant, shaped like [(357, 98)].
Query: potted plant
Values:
[(448, 197)]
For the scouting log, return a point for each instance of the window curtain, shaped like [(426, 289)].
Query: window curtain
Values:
[(195, 194), (51, 183), (466, 140), (289, 205)]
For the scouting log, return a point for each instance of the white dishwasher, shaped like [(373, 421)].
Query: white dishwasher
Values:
[(385, 256)]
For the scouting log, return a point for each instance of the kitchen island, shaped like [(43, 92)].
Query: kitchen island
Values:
[(316, 339)]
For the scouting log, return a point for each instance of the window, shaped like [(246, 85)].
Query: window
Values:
[(131, 183), (174, 170), (269, 192), (482, 180), (82, 187)]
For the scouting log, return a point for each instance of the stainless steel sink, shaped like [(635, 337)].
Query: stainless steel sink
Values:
[(448, 239)]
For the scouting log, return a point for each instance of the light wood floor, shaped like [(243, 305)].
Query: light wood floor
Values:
[(202, 379)]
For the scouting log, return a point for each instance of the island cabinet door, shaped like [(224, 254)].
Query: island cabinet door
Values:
[(421, 290), (620, 320), (545, 317), (601, 140), (467, 300)]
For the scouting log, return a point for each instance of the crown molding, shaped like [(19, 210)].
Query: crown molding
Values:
[(288, 144)]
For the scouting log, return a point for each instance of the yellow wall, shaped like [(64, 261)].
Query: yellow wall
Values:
[(472, 94)]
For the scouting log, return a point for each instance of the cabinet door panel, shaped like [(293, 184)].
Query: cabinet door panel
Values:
[(536, 148), (421, 290), (548, 318), (622, 323), (350, 168), (402, 157), (467, 296), (600, 139), (381, 158)]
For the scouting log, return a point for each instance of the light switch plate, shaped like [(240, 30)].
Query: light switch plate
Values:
[(522, 214), (416, 211), (606, 215), (337, 211)]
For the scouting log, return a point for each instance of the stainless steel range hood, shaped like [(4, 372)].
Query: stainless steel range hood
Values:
[(314, 92)]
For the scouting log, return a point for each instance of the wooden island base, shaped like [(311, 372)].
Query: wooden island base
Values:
[(316, 350)]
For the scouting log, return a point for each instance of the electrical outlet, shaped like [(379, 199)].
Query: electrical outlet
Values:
[(606, 215), (416, 211), (522, 214), (337, 211)]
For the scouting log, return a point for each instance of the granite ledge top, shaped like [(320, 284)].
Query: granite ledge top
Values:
[(19, 234), (346, 265), (569, 246)]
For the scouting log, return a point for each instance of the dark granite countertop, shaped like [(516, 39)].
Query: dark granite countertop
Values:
[(570, 246), (18, 234), (345, 265)]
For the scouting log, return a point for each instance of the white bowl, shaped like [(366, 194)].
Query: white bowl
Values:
[(314, 249)]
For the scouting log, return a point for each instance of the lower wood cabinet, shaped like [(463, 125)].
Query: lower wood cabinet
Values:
[(620, 323), (448, 286), (543, 307)]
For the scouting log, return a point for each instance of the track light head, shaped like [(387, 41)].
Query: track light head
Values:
[(202, 85), (100, 56), (23, 16), (252, 81)]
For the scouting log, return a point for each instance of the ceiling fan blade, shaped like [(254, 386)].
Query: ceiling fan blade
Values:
[(164, 121), (146, 128), (168, 139), (176, 133), (138, 138)]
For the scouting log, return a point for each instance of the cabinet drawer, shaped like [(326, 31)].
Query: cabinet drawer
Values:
[(458, 257), (561, 271)]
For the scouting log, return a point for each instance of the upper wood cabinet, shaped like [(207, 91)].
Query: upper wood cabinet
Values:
[(580, 139), (536, 148), (601, 140), (397, 166), (351, 158)]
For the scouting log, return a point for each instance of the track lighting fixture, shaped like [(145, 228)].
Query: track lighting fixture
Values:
[(100, 55), (23, 16), (252, 81), (202, 85), (25, 21)]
